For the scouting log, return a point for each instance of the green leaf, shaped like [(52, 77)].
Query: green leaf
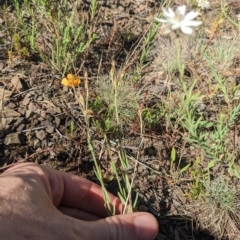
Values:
[(185, 168), (123, 201), (211, 164), (173, 154), (135, 201)]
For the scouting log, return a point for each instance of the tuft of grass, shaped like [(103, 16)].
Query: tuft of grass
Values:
[(124, 97), (110, 110), (152, 115), (55, 31), (223, 193), (222, 52)]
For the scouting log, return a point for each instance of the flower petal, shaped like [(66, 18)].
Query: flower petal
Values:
[(191, 15), (70, 77), (76, 82), (186, 30), (160, 20), (181, 9), (169, 13), (176, 26), (191, 23), (65, 82), (175, 20)]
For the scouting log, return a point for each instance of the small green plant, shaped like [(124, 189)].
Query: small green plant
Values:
[(199, 178), (142, 50), (222, 193), (72, 130), (221, 53), (55, 31), (152, 116), (112, 105), (18, 48), (118, 95), (225, 12), (172, 159), (207, 135)]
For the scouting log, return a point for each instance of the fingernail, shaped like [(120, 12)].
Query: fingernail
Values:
[(146, 226)]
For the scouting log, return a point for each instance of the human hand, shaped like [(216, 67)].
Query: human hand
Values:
[(40, 203)]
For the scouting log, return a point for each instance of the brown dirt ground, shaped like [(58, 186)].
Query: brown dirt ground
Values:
[(37, 115)]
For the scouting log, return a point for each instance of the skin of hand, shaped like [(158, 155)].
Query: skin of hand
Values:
[(40, 203)]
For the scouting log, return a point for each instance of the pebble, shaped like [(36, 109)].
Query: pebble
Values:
[(50, 129), (13, 139), (16, 82), (28, 114), (36, 143), (41, 135), (26, 101), (32, 107)]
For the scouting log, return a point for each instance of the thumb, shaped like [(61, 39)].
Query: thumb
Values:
[(134, 226)]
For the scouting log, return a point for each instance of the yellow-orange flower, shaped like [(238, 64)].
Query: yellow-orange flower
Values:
[(71, 81)]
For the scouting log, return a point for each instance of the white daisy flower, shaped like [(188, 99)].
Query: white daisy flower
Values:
[(203, 4), (174, 21)]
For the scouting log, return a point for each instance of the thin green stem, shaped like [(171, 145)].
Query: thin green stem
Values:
[(179, 58)]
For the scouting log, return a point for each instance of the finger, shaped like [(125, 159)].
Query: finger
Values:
[(66, 189), (135, 226), (78, 214), (79, 193), (84, 194)]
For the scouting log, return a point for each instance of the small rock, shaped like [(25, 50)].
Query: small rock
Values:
[(57, 110), (11, 105), (36, 143), (7, 121), (40, 98), (22, 111), (121, 9), (51, 111), (41, 135), (26, 101), (62, 128), (18, 122), (8, 112), (38, 111), (35, 122), (44, 144), (57, 121), (13, 139), (28, 114), (50, 145), (39, 150), (40, 119), (32, 107), (50, 129), (5, 93), (45, 123), (16, 82), (43, 114), (49, 118), (21, 127)]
